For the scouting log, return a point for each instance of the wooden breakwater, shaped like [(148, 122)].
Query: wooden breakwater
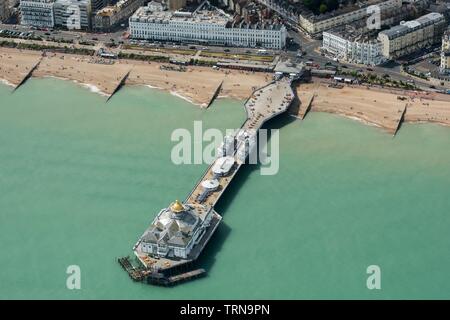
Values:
[(28, 75), (119, 85), (401, 119), (215, 95)]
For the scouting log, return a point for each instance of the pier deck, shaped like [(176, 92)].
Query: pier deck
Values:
[(264, 104)]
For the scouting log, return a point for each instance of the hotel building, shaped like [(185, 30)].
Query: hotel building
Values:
[(109, 17), (348, 44), (314, 25), (37, 13), (207, 25), (413, 35), (445, 53), (72, 14)]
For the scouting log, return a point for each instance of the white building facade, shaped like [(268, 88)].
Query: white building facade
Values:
[(72, 14), (204, 26), (37, 13), (413, 35), (175, 231), (314, 25), (445, 53), (365, 51)]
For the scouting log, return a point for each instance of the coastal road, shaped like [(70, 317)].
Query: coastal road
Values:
[(300, 42), (392, 69), (67, 35), (117, 37)]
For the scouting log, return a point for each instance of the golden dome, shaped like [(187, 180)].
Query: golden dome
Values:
[(177, 207)]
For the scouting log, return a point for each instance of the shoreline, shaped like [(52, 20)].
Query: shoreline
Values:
[(7, 83), (378, 107), (95, 90), (92, 88), (197, 84)]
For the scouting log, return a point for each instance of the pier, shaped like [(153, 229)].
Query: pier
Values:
[(177, 236)]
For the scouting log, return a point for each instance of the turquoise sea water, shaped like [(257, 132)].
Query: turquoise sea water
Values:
[(80, 179)]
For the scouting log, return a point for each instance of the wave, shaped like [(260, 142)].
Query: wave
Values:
[(7, 83)]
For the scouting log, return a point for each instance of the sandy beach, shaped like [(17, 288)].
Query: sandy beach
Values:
[(197, 84), (375, 106), (15, 64)]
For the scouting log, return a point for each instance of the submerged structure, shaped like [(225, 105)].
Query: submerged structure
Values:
[(178, 234)]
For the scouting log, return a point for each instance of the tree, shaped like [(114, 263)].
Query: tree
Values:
[(323, 8), (332, 4), (312, 5)]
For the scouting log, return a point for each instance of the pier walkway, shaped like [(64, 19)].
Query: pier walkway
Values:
[(264, 104)]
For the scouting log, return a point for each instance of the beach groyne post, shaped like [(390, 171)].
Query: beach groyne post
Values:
[(215, 95), (29, 74), (401, 120), (119, 85), (308, 106)]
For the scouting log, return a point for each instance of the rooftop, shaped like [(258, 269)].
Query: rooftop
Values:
[(110, 10), (354, 33), (289, 67), (343, 10), (205, 13), (174, 225), (412, 25)]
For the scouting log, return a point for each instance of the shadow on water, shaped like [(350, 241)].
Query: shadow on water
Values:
[(215, 245), (245, 170), (208, 257)]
